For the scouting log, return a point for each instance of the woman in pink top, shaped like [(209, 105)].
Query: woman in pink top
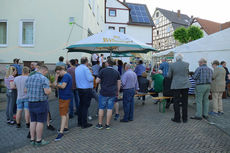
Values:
[(10, 94)]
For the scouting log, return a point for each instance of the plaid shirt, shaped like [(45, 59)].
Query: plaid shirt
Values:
[(203, 75), (35, 85)]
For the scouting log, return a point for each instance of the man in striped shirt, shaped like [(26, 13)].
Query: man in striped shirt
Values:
[(203, 78)]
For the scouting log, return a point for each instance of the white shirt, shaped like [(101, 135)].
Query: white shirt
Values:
[(101, 60), (94, 58)]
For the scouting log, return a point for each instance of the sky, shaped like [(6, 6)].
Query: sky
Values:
[(214, 10)]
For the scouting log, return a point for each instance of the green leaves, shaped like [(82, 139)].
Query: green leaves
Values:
[(181, 35), (194, 33), (184, 35)]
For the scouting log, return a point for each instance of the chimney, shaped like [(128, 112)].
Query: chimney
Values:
[(178, 13)]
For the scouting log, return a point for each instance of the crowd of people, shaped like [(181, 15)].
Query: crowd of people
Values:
[(108, 82)]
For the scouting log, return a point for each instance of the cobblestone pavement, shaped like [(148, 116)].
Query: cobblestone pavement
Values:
[(223, 121), (150, 131)]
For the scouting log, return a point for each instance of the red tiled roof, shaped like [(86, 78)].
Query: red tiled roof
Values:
[(209, 27), (225, 25)]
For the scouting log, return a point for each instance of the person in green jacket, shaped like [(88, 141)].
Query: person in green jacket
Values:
[(158, 79)]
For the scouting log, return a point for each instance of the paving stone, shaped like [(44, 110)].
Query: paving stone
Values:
[(150, 132)]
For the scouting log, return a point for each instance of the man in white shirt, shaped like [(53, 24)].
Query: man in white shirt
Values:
[(94, 59)]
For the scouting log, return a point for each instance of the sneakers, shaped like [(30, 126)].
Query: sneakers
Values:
[(220, 113), (12, 122), (51, 128), (28, 135), (107, 127), (18, 125), (32, 142), (58, 138), (99, 126), (66, 130), (41, 143), (8, 121), (71, 116), (116, 117), (27, 125), (213, 113)]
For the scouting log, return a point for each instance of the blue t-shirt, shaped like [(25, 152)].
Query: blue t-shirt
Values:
[(66, 93)]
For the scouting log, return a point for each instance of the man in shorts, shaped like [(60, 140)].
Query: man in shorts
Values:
[(110, 87), (65, 96), (22, 100), (38, 89)]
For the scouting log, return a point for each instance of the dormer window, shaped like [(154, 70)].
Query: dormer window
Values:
[(157, 14), (112, 12)]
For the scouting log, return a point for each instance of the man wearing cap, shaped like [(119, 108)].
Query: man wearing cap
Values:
[(217, 88)]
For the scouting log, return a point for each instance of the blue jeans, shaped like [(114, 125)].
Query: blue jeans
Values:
[(128, 104), (106, 102), (22, 104), (11, 103), (71, 105)]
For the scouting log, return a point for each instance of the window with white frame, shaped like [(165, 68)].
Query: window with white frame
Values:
[(3, 33), (157, 14), (26, 33), (112, 12), (122, 29)]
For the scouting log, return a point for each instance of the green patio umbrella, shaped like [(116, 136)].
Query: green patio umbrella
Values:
[(110, 41)]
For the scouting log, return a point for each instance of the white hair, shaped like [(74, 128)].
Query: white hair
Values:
[(160, 71), (179, 57), (34, 63), (203, 60)]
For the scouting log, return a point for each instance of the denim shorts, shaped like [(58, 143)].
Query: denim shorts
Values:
[(38, 111), (22, 104), (106, 102)]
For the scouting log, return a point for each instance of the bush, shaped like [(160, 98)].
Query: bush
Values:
[(184, 35)]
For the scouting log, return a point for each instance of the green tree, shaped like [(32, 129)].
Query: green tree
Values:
[(194, 33), (184, 35), (181, 35)]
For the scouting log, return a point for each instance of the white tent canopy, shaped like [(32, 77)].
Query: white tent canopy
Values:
[(212, 47)]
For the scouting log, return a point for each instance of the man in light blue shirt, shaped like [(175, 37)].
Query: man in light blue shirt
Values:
[(164, 66), (84, 80), (130, 86), (140, 68)]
